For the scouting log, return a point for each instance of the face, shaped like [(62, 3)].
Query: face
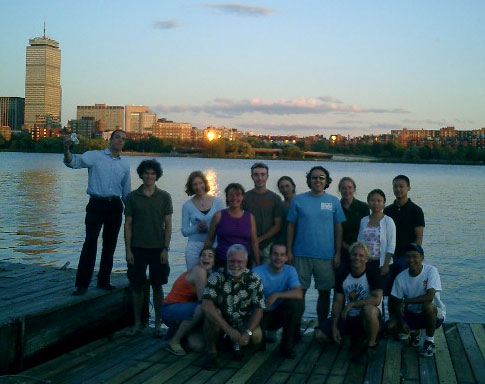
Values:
[(206, 259), (198, 186), (400, 188), (376, 202), (259, 176), (234, 198), (414, 260), (358, 257), (286, 189), (117, 141), (279, 256), (318, 181), (149, 177), (347, 190), (236, 264)]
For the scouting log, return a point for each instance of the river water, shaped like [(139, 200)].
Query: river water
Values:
[(42, 206)]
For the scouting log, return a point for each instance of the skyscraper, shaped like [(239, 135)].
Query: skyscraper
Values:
[(42, 79), (12, 112)]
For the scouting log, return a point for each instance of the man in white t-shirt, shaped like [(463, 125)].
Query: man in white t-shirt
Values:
[(415, 297)]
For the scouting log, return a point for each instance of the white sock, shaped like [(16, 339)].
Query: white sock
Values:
[(429, 338)]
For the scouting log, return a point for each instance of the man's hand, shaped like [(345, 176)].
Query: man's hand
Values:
[(244, 340), (271, 300), (291, 258), (164, 256), (336, 261), (234, 335), (385, 270), (346, 311), (336, 334), (67, 142), (130, 259)]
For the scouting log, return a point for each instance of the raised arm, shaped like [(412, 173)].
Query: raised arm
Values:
[(212, 230)]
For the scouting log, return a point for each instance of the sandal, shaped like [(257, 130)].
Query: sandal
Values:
[(176, 349)]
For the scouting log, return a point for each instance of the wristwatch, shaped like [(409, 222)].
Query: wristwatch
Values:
[(166, 247), (248, 331)]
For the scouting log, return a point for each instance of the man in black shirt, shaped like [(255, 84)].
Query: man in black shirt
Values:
[(409, 220)]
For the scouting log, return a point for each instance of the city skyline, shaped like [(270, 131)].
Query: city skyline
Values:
[(272, 67)]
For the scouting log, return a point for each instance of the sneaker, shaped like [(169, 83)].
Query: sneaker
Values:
[(415, 339), (79, 291), (428, 349)]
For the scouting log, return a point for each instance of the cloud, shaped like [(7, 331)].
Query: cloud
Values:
[(241, 9), (299, 106), (166, 24)]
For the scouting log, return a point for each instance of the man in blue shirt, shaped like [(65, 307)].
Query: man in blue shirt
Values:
[(314, 237), (109, 183), (283, 298)]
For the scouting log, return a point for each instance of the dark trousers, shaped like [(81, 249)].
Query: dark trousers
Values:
[(287, 315), (106, 213)]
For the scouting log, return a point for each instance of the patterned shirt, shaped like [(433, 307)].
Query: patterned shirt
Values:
[(236, 300)]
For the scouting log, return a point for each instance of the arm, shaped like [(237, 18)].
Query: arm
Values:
[(211, 312), (295, 293), (212, 230), (273, 231), (254, 241), (126, 185), (338, 244), (67, 151), (338, 303), (187, 229), (200, 281), (374, 299), (426, 298), (290, 234), (419, 231), (391, 244), (128, 234), (251, 325), (167, 238)]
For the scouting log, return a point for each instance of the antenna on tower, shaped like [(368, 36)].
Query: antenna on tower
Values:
[(44, 29)]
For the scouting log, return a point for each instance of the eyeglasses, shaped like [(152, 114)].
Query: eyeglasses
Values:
[(320, 177)]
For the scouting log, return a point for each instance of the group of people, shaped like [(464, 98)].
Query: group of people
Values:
[(250, 263)]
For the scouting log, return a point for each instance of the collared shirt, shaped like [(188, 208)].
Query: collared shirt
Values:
[(237, 301), (107, 176), (407, 218), (148, 214)]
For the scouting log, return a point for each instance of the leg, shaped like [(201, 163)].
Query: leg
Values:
[(157, 304), (323, 305), (112, 218), (158, 276), (87, 259), (370, 322), (186, 326), (196, 341), (211, 332), (290, 315), (430, 313), (257, 336), (137, 306)]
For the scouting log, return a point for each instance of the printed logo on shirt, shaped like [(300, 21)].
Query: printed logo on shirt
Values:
[(326, 206)]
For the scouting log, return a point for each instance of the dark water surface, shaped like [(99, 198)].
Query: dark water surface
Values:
[(42, 206)]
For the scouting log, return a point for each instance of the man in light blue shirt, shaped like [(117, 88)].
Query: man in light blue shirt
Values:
[(283, 296), (314, 237), (109, 183)]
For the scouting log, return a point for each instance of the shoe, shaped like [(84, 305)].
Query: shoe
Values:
[(79, 291), (402, 336), (106, 287), (175, 349), (210, 363), (415, 339), (287, 353), (428, 349)]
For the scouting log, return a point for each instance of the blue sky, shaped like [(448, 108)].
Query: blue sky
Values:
[(302, 67)]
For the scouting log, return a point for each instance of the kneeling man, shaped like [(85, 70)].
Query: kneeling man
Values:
[(233, 303), (284, 298), (415, 298), (357, 297)]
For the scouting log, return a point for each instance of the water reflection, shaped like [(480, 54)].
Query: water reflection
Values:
[(213, 185)]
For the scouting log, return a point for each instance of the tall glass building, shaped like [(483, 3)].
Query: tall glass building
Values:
[(12, 112)]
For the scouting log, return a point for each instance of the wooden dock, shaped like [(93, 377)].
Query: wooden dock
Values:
[(459, 359), (39, 318)]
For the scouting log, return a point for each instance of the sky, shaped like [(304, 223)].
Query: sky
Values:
[(350, 67)]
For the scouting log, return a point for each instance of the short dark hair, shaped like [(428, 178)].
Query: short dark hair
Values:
[(259, 165), (188, 185), (149, 164), (376, 192), (113, 133), (344, 179), (320, 168), (277, 245), (287, 178), (402, 177), (236, 186), (207, 249)]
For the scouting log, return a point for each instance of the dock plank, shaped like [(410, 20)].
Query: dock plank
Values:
[(479, 334), (473, 352), (392, 363), (427, 370), (444, 365), (165, 374), (461, 365), (278, 378), (341, 364), (375, 366), (309, 359), (410, 364), (326, 360)]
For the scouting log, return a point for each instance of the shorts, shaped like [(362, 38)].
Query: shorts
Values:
[(147, 257), (416, 321), (174, 313), (352, 326), (321, 270)]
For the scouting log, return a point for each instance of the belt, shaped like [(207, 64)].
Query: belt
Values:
[(109, 199)]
